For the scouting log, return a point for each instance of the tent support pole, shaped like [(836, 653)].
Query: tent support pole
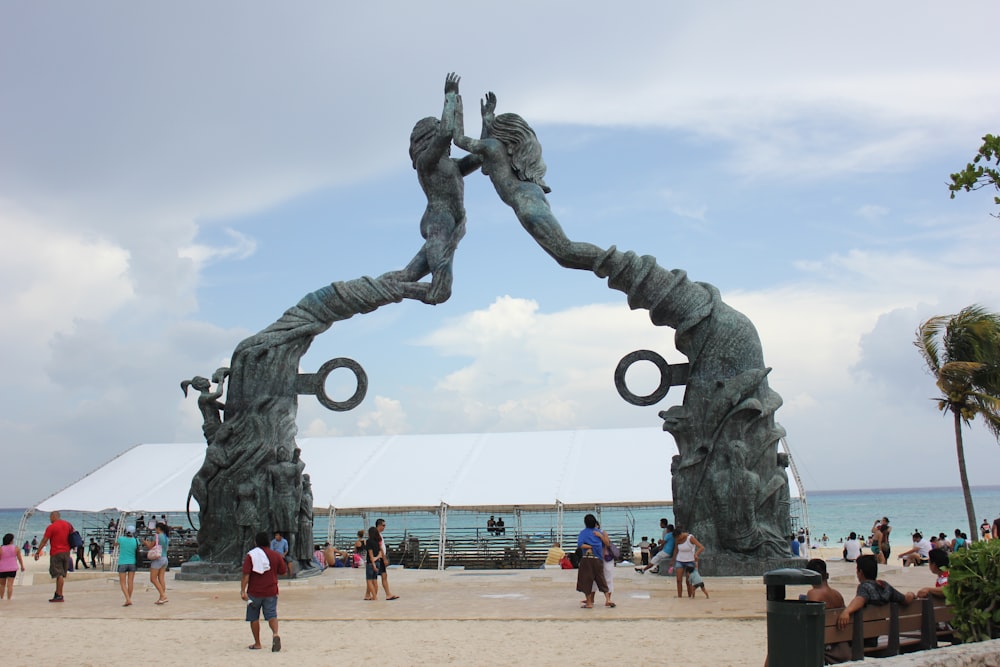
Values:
[(559, 522), (331, 525), (442, 534)]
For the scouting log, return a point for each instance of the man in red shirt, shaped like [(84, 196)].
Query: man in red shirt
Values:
[(259, 587), (57, 537)]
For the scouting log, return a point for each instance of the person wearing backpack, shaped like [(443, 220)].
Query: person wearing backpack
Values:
[(128, 548)]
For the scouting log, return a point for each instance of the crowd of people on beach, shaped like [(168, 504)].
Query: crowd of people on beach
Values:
[(877, 543)]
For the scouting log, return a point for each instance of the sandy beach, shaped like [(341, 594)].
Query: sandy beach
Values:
[(455, 617)]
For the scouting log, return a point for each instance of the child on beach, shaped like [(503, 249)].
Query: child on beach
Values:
[(938, 564), (697, 582), (10, 560)]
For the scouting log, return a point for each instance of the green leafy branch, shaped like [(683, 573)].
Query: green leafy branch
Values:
[(978, 174)]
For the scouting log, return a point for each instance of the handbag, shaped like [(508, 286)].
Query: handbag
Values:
[(155, 552), (611, 552)]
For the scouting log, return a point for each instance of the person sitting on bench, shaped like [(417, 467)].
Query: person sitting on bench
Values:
[(871, 590)]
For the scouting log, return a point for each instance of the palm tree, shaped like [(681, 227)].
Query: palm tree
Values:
[(963, 354)]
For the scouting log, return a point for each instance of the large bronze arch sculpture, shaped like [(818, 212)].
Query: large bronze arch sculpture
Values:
[(730, 487)]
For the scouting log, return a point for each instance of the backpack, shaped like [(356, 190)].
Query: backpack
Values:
[(75, 540)]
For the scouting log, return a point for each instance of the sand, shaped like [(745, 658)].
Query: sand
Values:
[(455, 617)]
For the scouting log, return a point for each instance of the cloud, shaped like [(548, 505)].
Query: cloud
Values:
[(53, 278), (240, 247), (158, 173)]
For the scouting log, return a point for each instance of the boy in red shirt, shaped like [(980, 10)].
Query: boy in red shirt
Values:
[(57, 537), (259, 587)]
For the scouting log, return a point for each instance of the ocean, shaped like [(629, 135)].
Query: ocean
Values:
[(835, 513)]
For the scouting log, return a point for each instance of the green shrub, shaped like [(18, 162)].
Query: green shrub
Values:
[(973, 591)]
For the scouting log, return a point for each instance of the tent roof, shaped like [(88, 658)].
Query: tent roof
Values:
[(628, 467)]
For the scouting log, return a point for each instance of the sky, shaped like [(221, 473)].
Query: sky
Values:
[(173, 176)]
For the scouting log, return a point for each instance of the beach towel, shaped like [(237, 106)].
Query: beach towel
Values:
[(259, 561)]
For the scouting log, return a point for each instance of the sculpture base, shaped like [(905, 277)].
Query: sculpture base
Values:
[(726, 565), (204, 571)]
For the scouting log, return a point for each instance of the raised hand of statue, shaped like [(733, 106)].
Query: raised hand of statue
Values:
[(451, 83), (488, 105)]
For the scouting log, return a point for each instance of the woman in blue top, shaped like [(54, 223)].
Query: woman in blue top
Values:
[(591, 543), (128, 544), (158, 566)]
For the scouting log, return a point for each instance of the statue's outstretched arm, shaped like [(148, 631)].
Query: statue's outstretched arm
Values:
[(465, 143), (471, 162), (487, 107)]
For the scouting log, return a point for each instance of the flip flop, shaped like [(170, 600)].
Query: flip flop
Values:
[(161, 602), (127, 604), (254, 648), (610, 604), (276, 645), (394, 597)]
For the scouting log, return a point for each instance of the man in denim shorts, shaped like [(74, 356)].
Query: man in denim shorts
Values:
[(259, 587)]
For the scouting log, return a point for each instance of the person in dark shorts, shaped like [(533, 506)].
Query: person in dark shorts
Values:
[(373, 558), (259, 588), (60, 561)]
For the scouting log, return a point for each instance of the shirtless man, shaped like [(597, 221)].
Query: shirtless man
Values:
[(822, 592)]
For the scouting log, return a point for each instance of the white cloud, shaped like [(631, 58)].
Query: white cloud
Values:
[(240, 247), (51, 279), (122, 166)]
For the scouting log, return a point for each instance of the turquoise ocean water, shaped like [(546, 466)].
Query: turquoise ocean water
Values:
[(835, 513)]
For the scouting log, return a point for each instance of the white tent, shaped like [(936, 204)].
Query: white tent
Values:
[(401, 472), (469, 471)]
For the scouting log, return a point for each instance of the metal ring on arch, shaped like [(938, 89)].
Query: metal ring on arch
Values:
[(359, 393), (658, 393)]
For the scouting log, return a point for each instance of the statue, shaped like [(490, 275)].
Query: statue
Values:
[(208, 402), (304, 536), (512, 158), (443, 222), (730, 485), (285, 477), (725, 429), (246, 513)]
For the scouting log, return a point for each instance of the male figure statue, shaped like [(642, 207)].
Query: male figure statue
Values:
[(443, 222)]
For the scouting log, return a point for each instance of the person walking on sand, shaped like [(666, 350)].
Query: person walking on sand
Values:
[(384, 566), (687, 551), (10, 560), (591, 570), (60, 561), (158, 561), (81, 557), (608, 561), (259, 589), (128, 547), (373, 555)]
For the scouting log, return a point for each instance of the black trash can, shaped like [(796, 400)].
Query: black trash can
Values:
[(794, 627)]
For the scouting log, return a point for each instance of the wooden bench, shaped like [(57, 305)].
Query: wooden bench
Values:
[(887, 630)]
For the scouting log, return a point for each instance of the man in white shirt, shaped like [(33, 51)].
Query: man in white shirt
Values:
[(852, 548), (918, 554)]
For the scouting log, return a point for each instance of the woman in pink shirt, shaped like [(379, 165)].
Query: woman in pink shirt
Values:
[(10, 560)]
